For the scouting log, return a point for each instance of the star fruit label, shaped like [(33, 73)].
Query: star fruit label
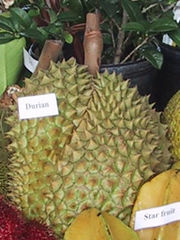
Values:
[(158, 216), (37, 106)]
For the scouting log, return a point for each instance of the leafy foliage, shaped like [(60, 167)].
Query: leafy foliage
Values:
[(21, 23), (131, 29), (134, 25)]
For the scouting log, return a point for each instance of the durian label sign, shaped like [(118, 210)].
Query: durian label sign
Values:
[(158, 216), (37, 106)]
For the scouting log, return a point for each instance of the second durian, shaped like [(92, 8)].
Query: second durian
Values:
[(172, 118)]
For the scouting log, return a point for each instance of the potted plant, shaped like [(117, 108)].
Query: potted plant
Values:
[(36, 22), (66, 15), (132, 31), (168, 75), (11, 49)]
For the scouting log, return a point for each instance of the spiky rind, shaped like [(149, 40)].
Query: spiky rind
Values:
[(104, 144), (172, 117), (4, 154)]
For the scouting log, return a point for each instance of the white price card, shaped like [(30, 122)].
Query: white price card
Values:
[(158, 216), (29, 62), (37, 106)]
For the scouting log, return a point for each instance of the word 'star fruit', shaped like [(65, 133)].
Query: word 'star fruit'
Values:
[(161, 190)]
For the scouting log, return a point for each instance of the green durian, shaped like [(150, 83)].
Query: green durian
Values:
[(4, 154), (104, 144), (172, 118)]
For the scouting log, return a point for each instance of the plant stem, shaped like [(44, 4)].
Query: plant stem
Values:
[(149, 7), (50, 52), (121, 35), (53, 4), (93, 43), (168, 7), (134, 50)]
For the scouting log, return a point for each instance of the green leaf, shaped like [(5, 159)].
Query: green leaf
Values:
[(153, 56), (133, 9), (11, 59), (110, 8), (163, 24), (6, 37), (69, 16), (34, 12), (89, 5), (175, 36), (53, 15), (75, 6), (68, 37), (6, 24), (36, 34), (107, 38), (134, 26), (21, 16)]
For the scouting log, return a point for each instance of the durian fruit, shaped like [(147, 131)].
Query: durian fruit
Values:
[(172, 118), (161, 190), (176, 165), (6, 100), (104, 144), (4, 154), (93, 224)]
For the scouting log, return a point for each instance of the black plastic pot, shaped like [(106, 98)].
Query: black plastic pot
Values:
[(169, 76), (141, 74)]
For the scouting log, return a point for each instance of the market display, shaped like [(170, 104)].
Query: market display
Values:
[(162, 190), (104, 144)]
